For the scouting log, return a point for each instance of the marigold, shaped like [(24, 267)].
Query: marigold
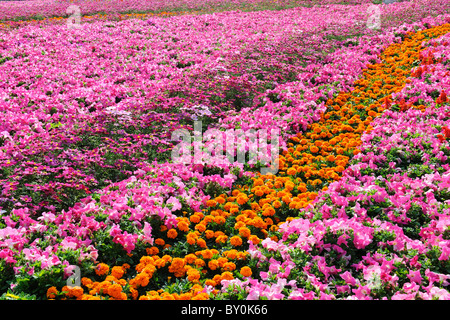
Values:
[(213, 264), (220, 200), (183, 226), (291, 171), (199, 263), (151, 251), (52, 292), (254, 239), (244, 232), (229, 266), (193, 275), (101, 269), (117, 272), (226, 275), (195, 218), (242, 198), (200, 227), (219, 220), (201, 243), (258, 182), (277, 204), (206, 254), (209, 234), (211, 203), (160, 263), (259, 192), (221, 239), (210, 282), (115, 290)]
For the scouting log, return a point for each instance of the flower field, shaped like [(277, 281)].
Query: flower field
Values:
[(357, 208)]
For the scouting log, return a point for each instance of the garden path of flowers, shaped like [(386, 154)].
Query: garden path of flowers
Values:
[(364, 238), (358, 209)]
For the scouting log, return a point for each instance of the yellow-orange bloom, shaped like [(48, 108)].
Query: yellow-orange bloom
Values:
[(172, 233), (236, 241), (52, 292)]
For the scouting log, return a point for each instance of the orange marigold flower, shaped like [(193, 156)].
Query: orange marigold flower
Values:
[(258, 182), (211, 203), (86, 282), (152, 251), (213, 264), (172, 233), (219, 220), (229, 266), (221, 239), (210, 282), (206, 254), (200, 227), (244, 232), (115, 290), (209, 234), (195, 218), (236, 241), (242, 198), (220, 200), (201, 243), (117, 272), (246, 271), (291, 171), (160, 263), (190, 258), (52, 292), (314, 149), (101, 269), (226, 275), (183, 226), (277, 204), (191, 240), (126, 266), (199, 262), (160, 242), (193, 275), (254, 239), (177, 264)]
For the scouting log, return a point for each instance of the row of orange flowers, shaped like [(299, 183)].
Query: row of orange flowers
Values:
[(217, 237)]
